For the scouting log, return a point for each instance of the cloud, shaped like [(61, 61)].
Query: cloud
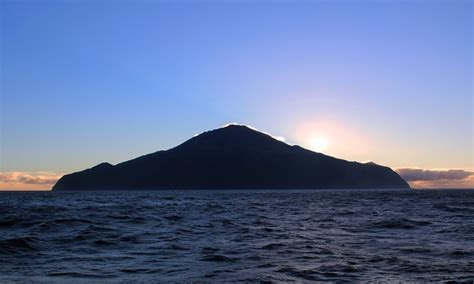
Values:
[(451, 178), (420, 174), (28, 180)]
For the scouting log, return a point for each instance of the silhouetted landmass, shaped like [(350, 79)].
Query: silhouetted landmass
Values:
[(233, 157)]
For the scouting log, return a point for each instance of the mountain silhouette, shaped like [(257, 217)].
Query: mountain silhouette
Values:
[(233, 157)]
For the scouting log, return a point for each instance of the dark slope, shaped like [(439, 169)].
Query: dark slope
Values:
[(233, 157)]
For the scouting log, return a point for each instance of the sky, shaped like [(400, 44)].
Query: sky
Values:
[(83, 82)]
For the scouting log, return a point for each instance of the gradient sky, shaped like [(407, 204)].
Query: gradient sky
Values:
[(90, 81)]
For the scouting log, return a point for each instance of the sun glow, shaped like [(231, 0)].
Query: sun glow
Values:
[(319, 143), (338, 139)]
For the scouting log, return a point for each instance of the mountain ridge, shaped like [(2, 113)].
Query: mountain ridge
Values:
[(233, 157)]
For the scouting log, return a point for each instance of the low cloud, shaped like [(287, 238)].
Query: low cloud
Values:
[(451, 178), (28, 180), (420, 174)]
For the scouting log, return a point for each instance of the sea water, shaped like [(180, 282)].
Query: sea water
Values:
[(274, 235)]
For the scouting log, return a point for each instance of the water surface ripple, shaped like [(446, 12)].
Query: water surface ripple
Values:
[(330, 235)]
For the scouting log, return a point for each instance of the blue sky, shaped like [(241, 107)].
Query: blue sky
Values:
[(91, 81)]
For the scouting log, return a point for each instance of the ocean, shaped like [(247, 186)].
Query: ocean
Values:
[(250, 236)]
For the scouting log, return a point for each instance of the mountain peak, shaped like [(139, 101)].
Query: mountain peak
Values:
[(237, 127), (243, 129), (232, 136)]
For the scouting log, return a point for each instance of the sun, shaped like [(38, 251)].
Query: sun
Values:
[(319, 143)]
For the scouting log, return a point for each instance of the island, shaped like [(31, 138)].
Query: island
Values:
[(233, 157)]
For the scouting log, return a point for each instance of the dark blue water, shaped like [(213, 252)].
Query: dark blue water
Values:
[(332, 235)]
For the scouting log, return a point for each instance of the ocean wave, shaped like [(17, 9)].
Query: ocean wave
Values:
[(199, 236), (218, 258), (19, 245), (399, 224)]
